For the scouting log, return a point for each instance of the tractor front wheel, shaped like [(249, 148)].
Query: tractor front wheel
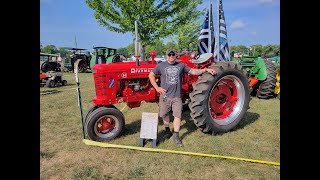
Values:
[(104, 124), (219, 102)]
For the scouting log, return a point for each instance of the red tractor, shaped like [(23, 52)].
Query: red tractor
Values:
[(217, 103)]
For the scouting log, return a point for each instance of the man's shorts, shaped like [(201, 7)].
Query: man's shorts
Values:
[(166, 104)]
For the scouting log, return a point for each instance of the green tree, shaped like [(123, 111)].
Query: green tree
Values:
[(123, 51), (234, 49), (242, 49), (170, 44), (130, 50), (51, 49), (257, 50), (268, 51), (156, 19), (65, 52), (188, 33), (276, 49), (158, 47)]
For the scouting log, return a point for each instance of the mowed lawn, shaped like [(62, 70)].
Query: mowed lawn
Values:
[(63, 155)]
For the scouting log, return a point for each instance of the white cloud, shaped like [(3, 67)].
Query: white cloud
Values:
[(265, 1), (238, 24), (254, 33)]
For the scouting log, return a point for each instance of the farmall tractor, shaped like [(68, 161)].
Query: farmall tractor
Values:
[(217, 102)]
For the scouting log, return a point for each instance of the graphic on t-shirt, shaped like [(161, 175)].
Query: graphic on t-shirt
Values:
[(172, 76)]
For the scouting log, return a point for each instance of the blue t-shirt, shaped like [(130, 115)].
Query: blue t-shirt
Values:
[(171, 77)]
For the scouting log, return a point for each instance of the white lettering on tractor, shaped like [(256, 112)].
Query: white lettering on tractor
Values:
[(138, 70)]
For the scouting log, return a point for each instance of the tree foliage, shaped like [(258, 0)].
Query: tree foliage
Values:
[(158, 47), (188, 33), (156, 19), (268, 50), (123, 51), (51, 49)]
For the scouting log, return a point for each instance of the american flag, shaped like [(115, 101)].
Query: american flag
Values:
[(203, 40), (224, 54)]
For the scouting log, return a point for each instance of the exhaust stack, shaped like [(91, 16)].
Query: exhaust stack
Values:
[(137, 44)]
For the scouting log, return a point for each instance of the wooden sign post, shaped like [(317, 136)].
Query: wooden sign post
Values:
[(149, 128)]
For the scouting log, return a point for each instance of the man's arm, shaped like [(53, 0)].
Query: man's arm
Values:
[(201, 71), (152, 78)]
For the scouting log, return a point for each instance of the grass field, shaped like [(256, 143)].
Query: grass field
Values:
[(63, 155)]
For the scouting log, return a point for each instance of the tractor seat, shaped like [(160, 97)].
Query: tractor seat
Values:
[(202, 58)]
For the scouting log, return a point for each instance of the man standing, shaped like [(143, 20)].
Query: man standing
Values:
[(171, 73)]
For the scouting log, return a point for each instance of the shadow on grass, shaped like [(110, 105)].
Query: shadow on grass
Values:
[(68, 84), (189, 125), (248, 118), (132, 128), (46, 92)]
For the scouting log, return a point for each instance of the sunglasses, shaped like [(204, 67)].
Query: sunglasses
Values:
[(171, 54)]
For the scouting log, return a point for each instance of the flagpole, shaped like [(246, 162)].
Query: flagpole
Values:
[(218, 32), (209, 39)]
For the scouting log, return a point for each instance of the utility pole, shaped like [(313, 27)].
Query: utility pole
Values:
[(75, 41)]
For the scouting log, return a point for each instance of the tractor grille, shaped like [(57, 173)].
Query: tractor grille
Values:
[(100, 84)]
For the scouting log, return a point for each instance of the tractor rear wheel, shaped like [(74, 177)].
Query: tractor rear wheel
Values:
[(104, 124), (266, 89), (82, 66), (219, 102), (45, 67)]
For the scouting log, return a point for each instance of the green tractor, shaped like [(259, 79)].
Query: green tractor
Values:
[(104, 55), (262, 75)]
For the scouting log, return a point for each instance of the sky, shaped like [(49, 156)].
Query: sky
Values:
[(248, 22)]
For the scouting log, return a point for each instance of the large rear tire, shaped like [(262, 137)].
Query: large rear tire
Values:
[(104, 124), (82, 66), (45, 67), (266, 89), (219, 102)]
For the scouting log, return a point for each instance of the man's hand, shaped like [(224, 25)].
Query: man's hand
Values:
[(211, 71), (161, 90), (201, 71)]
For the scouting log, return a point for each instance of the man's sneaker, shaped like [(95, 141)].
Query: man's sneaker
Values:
[(167, 135), (177, 140)]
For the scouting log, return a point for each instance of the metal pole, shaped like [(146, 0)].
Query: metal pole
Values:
[(209, 39), (75, 40), (79, 95), (137, 46), (218, 34)]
